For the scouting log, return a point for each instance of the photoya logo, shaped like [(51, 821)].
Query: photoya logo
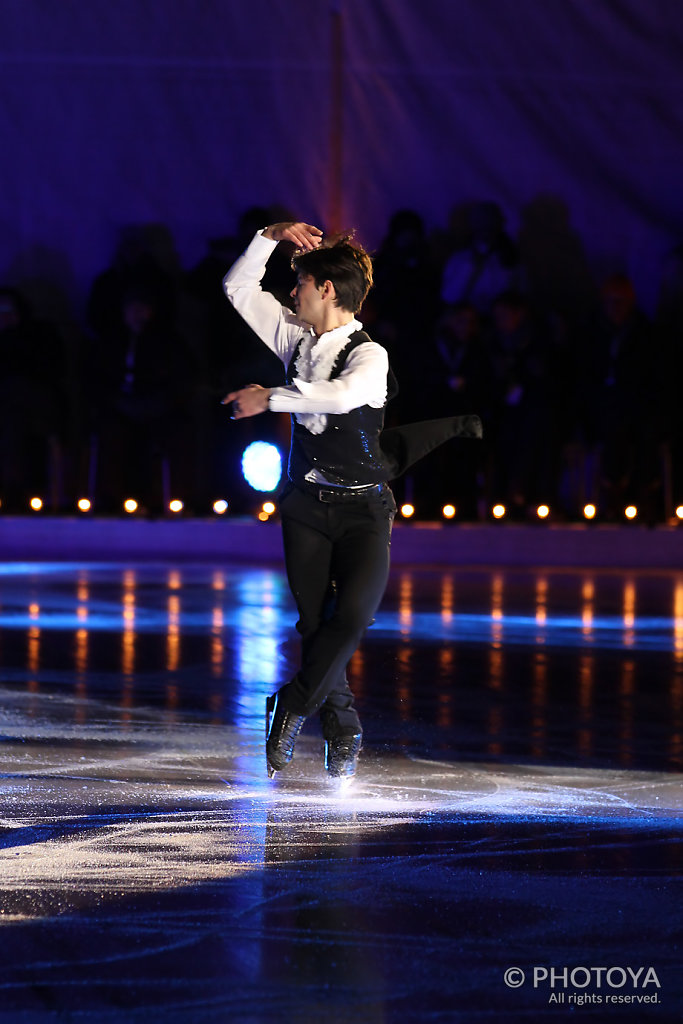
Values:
[(584, 977)]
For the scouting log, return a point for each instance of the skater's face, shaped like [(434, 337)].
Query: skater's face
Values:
[(308, 299)]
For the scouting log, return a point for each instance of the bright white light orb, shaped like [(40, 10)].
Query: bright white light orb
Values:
[(262, 466)]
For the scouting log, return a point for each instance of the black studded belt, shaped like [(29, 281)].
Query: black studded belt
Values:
[(333, 495)]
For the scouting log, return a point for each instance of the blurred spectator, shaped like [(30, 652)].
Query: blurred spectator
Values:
[(523, 425), (401, 311), (556, 272), (670, 326), (670, 299), (32, 405), (485, 265), (623, 411), (145, 259), (466, 377), (465, 363), (141, 390)]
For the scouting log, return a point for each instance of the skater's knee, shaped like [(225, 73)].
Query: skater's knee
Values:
[(352, 618)]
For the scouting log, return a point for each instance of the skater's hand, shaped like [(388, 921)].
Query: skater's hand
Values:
[(249, 401), (304, 236)]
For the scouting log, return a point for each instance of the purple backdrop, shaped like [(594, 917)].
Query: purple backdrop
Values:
[(568, 112)]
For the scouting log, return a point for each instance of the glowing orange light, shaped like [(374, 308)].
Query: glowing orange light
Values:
[(130, 505), (264, 517), (176, 505), (589, 511), (84, 504), (542, 511), (220, 506), (678, 620), (630, 511), (498, 511), (679, 512), (36, 504), (448, 511), (407, 511), (268, 507)]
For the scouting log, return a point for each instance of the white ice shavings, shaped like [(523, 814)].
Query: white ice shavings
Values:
[(150, 806), (562, 792)]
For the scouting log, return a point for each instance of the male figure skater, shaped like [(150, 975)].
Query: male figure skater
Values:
[(337, 508)]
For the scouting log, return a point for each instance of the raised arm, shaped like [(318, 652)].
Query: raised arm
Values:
[(304, 236), (274, 323)]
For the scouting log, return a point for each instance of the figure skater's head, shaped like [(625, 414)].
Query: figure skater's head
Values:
[(346, 265)]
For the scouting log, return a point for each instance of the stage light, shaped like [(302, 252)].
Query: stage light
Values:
[(220, 506), (589, 511), (262, 466), (448, 511), (407, 510), (542, 511), (36, 504), (176, 505), (630, 511), (498, 511), (130, 505), (263, 516), (84, 504), (268, 507)]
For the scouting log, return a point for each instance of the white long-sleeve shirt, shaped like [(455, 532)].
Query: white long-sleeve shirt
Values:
[(311, 396)]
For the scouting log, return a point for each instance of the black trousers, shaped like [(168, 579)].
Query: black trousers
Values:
[(337, 560)]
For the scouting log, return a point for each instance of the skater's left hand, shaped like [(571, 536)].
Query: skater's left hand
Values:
[(249, 401)]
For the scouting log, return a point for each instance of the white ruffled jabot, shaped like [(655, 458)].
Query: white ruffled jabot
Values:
[(315, 361)]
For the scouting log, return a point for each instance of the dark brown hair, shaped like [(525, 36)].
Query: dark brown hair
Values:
[(345, 264)]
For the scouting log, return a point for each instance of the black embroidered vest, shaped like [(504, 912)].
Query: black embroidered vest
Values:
[(347, 452)]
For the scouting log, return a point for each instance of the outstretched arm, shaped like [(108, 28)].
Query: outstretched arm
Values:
[(362, 382), (248, 401)]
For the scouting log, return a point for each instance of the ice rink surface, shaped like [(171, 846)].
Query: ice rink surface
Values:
[(510, 849)]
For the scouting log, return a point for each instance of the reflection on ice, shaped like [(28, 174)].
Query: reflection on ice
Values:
[(256, 602)]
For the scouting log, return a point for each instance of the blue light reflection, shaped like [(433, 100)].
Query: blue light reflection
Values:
[(606, 632), (50, 606)]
